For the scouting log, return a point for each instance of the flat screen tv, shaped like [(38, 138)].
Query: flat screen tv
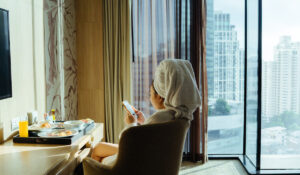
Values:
[(5, 66)]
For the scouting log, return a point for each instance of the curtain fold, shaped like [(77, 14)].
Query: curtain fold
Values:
[(199, 125), (191, 45), (203, 75), (117, 59)]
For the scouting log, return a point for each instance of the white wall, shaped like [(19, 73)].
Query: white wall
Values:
[(27, 60)]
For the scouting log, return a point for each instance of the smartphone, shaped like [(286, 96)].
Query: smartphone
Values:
[(128, 108)]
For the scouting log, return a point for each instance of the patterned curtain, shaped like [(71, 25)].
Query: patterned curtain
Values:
[(60, 58)]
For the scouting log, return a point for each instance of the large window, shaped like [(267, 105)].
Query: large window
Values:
[(281, 85), (225, 68), (272, 100)]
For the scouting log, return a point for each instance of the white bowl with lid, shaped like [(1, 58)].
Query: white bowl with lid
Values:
[(73, 124)]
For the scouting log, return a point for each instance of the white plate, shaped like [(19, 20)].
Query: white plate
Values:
[(48, 133), (36, 127)]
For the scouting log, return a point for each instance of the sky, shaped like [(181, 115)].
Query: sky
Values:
[(236, 9), (280, 18)]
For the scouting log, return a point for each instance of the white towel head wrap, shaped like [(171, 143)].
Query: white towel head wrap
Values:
[(174, 80)]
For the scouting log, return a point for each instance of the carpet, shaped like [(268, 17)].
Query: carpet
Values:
[(213, 167)]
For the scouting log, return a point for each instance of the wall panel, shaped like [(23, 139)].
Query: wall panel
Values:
[(90, 59)]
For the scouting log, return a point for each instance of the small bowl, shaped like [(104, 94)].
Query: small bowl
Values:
[(73, 124)]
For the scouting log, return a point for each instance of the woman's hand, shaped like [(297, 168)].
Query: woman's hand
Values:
[(129, 119), (141, 118)]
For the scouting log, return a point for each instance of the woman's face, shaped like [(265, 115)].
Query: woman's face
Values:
[(156, 100)]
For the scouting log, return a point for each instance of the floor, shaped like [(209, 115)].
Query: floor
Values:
[(213, 167)]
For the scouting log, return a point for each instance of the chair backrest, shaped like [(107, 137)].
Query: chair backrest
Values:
[(154, 149)]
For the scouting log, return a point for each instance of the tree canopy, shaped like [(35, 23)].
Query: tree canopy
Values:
[(221, 107)]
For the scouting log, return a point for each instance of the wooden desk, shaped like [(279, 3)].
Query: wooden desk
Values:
[(31, 159)]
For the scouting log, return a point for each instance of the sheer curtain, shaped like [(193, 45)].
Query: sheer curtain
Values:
[(153, 39), (163, 29)]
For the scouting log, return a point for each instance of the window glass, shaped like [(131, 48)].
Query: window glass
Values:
[(281, 85), (225, 72), (252, 80)]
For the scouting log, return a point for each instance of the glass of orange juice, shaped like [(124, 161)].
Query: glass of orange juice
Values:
[(23, 128)]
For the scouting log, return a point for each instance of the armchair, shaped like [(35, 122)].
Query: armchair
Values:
[(154, 149)]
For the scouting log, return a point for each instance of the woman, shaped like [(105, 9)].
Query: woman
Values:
[(173, 93)]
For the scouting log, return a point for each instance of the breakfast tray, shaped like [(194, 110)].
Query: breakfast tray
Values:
[(34, 138)]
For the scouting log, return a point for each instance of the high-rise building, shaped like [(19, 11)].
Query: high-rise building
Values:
[(267, 88), (241, 64), (281, 86), (228, 62), (210, 47)]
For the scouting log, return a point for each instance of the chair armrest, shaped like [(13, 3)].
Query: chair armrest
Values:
[(92, 167), (83, 154)]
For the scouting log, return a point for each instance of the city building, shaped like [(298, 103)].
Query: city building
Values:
[(267, 89), (227, 60), (281, 87)]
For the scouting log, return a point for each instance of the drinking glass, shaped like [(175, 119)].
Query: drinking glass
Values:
[(23, 128)]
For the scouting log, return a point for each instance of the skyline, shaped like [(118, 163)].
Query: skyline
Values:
[(277, 23), (272, 16)]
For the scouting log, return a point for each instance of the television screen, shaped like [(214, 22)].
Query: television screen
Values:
[(5, 67)]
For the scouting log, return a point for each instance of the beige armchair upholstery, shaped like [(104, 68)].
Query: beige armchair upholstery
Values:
[(154, 149)]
